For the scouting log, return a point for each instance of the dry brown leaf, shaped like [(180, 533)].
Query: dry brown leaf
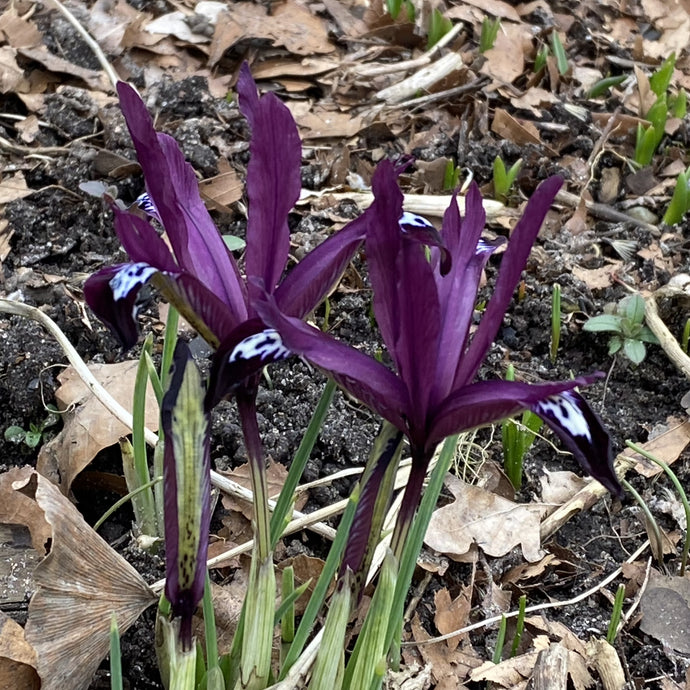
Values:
[(666, 445), (598, 278), (496, 8), (479, 517), (511, 673), (517, 131), (317, 122), (505, 62), (452, 614), (17, 658), (559, 487), (11, 74), (80, 584), (449, 667), (17, 31), (673, 21), (94, 78), (222, 190), (18, 509), (13, 188), (6, 232), (88, 424), (276, 474), (290, 25)]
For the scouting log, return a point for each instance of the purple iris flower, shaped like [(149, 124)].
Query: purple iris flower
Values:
[(425, 318), (197, 274)]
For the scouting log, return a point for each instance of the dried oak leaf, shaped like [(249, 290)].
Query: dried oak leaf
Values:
[(79, 585), (479, 517)]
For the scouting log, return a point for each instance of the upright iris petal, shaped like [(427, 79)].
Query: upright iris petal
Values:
[(187, 489)]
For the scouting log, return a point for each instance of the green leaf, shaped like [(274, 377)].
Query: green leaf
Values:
[(615, 344), (679, 202), (14, 434), (661, 79), (679, 104), (647, 336), (540, 60), (233, 243), (603, 85), (559, 53), (646, 145), (634, 350), (490, 28), (604, 322), (633, 308), (394, 8), (32, 438)]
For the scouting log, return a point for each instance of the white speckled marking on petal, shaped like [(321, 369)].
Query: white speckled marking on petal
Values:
[(145, 203), (130, 277), (265, 345), (564, 410), (413, 220)]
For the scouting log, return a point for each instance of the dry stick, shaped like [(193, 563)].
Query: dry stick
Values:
[(421, 61), (533, 609), (668, 343)]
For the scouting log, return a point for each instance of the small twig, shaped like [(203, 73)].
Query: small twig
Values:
[(414, 103), (533, 609), (421, 61), (668, 343), (605, 212), (96, 49)]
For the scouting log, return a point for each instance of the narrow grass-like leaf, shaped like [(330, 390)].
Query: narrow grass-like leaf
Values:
[(661, 79), (209, 626), (679, 201), (370, 648), (679, 104), (287, 617), (169, 342), (319, 594), (299, 462), (330, 659), (603, 85), (131, 496), (616, 614), (115, 656), (651, 523), (559, 53), (555, 322), (500, 640), (439, 26), (147, 525), (413, 546), (519, 625), (487, 38)]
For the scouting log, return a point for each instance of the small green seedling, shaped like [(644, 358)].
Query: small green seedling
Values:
[(451, 176), (394, 7), (649, 138), (541, 58), (439, 26), (559, 53), (616, 614), (626, 324), (680, 201), (32, 436), (555, 321), (504, 179), (490, 28), (517, 439), (661, 79), (602, 87)]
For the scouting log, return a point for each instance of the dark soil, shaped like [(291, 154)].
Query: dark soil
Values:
[(62, 235)]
